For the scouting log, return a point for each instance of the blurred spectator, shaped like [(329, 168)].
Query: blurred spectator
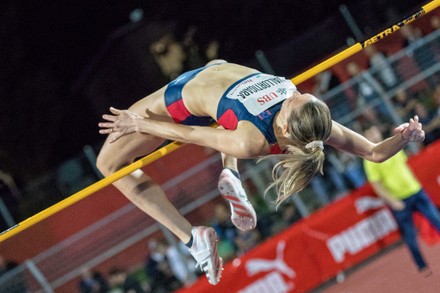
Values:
[(435, 100), (194, 55), (198, 53), (6, 265), (169, 55), (434, 21), (353, 169), (334, 170), (367, 90), (182, 264), (324, 82), (15, 283), (158, 268), (410, 34), (268, 222), (287, 216), (341, 172), (394, 182), (363, 87), (403, 104), (212, 50), (318, 185), (122, 282), (430, 122), (3, 265), (380, 63), (92, 282), (246, 240), (334, 173), (10, 195), (290, 214), (225, 230), (423, 56)]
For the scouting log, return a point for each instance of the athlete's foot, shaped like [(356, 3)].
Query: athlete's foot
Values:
[(243, 215), (204, 250)]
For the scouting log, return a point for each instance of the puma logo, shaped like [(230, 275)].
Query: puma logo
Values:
[(366, 203), (255, 266)]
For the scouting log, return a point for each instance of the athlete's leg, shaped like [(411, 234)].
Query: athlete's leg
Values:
[(148, 196), (138, 187), (230, 163), (243, 215)]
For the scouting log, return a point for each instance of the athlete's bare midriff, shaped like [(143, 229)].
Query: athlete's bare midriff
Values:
[(202, 94)]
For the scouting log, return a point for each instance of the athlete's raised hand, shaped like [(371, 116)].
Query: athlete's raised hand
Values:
[(121, 123), (412, 130)]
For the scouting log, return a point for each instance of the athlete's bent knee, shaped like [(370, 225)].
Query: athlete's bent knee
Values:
[(107, 165)]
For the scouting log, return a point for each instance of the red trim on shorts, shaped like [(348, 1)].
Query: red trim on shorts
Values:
[(178, 111), (228, 119)]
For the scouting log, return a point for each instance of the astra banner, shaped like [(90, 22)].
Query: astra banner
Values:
[(331, 240)]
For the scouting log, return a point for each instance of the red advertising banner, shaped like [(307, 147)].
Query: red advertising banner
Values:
[(313, 250), (426, 166), (331, 240), (349, 231)]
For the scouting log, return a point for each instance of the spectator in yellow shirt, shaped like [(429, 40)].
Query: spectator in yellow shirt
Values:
[(394, 182)]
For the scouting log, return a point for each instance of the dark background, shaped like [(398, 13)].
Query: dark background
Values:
[(62, 63)]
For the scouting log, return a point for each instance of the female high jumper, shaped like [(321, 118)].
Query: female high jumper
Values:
[(259, 115)]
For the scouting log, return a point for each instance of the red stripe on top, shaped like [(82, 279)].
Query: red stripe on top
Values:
[(178, 111), (228, 120), (275, 149)]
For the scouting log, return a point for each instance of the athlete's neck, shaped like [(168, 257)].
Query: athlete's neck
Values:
[(278, 131)]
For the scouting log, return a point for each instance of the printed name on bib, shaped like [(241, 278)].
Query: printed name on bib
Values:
[(260, 92)]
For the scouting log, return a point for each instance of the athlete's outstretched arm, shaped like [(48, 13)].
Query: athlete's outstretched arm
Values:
[(349, 141), (240, 143)]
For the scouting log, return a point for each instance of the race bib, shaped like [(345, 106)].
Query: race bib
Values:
[(261, 91)]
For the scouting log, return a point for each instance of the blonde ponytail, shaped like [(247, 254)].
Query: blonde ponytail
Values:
[(294, 171), (309, 128)]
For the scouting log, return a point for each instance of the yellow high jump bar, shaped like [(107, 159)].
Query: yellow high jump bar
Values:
[(175, 145)]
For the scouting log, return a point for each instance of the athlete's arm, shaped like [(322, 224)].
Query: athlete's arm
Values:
[(228, 161), (244, 142), (349, 141)]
